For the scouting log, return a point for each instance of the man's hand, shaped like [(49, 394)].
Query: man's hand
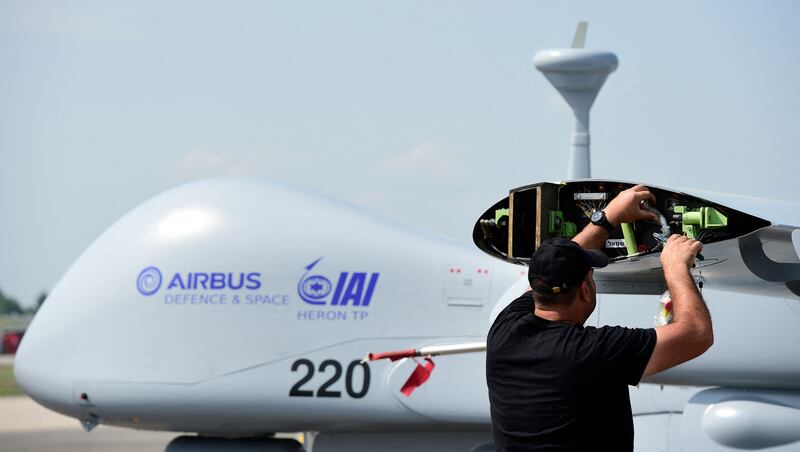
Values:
[(627, 206), (679, 253)]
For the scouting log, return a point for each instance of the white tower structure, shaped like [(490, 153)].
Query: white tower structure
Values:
[(577, 74)]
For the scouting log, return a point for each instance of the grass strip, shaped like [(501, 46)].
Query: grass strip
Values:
[(7, 384)]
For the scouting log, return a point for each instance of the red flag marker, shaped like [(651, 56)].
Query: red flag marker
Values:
[(418, 377)]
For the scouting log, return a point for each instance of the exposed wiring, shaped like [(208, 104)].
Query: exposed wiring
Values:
[(665, 230)]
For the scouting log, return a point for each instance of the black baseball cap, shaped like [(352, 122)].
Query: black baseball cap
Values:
[(559, 264)]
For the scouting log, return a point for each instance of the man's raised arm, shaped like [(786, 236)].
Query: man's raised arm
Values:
[(690, 334)]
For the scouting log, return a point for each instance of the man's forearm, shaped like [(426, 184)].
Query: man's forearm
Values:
[(591, 237), (688, 307)]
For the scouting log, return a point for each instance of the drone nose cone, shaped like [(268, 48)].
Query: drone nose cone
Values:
[(40, 367)]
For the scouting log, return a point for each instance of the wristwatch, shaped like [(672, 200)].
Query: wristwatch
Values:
[(599, 219)]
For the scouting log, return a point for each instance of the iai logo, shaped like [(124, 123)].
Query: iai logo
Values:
[(149, 281), (351, 288)]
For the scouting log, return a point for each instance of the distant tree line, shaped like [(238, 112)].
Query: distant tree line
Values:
[(9, 305)]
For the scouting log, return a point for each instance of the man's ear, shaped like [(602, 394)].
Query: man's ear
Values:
[(586, 290)]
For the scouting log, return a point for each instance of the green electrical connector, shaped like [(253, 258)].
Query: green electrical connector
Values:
[(630, 238), (697, 220), (500, 213), (554, 220), (557, 225)]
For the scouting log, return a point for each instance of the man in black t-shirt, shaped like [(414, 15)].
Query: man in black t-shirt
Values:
[(557, 385)]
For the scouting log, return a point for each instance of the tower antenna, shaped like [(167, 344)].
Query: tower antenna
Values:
[(577, 74)]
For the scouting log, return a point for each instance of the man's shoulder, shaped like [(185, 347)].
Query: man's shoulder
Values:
[(520, 306), (614, 333), (624, 350), (607, 336), (523, 303), (613, 330), (516, 310)]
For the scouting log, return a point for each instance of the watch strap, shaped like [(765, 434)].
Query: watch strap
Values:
[(604, 223)]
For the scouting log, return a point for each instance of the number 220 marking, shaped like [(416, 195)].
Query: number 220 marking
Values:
[(324, 390)]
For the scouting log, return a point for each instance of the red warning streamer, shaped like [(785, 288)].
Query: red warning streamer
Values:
[(418, 377), (422, 372)]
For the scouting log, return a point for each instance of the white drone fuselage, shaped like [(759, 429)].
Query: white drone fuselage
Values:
[(238, 333)]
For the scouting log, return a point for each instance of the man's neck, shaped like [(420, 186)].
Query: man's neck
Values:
[(565, 315)]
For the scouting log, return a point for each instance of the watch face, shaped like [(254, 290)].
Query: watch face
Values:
[(597, 216)]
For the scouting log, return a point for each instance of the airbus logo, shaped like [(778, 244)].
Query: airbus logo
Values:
[(149, 281), (350, 289), (215, 281)]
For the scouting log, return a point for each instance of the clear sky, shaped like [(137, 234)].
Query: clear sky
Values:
[(425, 112)]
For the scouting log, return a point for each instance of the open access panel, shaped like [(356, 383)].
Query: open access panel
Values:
[(514, 227)]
